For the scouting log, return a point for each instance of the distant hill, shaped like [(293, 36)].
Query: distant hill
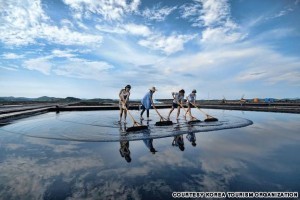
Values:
[(72, 99), (15, 99), (45, 98), (39, 99)]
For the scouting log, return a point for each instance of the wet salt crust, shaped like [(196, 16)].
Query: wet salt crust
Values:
[(101, 126)]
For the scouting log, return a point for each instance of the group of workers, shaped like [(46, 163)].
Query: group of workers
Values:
[(147, 102)]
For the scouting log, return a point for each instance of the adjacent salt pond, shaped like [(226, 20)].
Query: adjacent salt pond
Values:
[(260, 157)]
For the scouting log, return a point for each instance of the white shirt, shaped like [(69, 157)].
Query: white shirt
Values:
[(178, 97), (191, 97)]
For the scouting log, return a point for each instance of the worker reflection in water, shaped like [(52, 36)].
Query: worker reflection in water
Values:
[(178, 142), (191, 137), (124, 145), (149, 145), (124, 150), (149, 141)]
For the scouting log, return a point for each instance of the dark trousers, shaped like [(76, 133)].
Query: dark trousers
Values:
[(143, 110)]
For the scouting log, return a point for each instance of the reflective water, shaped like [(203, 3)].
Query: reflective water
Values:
[(260, 157), (98, 126)]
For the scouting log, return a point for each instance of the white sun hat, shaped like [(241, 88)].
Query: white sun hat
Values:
[(153, 89)]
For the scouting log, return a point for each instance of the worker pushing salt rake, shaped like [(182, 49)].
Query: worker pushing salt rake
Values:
[(147, 102), (124, 105), (124, 102), (177, 99), (191, 98), (177, 103)]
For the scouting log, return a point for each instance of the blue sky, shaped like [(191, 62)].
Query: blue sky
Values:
[(92, 49)]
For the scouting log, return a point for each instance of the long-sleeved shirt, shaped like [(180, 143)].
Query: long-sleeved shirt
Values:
[(146, 101)]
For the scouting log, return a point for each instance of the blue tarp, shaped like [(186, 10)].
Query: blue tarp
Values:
[(269, 100)]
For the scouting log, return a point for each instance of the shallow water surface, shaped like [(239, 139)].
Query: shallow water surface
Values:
[(259, 157), (102, 126)]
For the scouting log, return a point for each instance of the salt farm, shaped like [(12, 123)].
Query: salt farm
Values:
[(87, 154)]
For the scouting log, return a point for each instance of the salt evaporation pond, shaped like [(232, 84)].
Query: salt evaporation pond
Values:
[(102, 126), (69, 156)]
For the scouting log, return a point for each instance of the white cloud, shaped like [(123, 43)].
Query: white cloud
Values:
[(81, 25), (252, 75), (272, 76), (9, 68), (66, 23), (65, 36), (190, 11), (10, 56), (63, 54), (25, 21), (214, 12), (285, 11), (137, 29), (133, 29), (81, 68), (214, 17), (282, 13), (157, 13), (117, 29), (70, 66), (292, 77), (39, 64), (167, 45), (19, 19), (109, 10), (142, 50), (221, 35), (277, 68), (232, 67), (152, 40), (126, 52), (219, 26)]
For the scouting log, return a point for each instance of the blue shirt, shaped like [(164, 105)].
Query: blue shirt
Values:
[(146, 101)]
